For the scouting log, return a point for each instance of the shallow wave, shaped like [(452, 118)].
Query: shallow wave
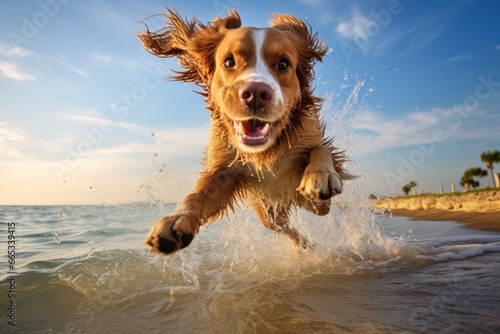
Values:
[(366, 273), (351, 243), (461, 252)]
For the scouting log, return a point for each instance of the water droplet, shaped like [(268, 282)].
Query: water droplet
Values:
[(152, 134)]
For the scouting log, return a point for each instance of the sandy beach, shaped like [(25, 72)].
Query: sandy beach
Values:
[(489, 221)]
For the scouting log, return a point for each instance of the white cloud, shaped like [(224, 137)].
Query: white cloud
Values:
[(355, 27), (178, 141), (14, 51), (421, 39), (77, 70), (107, 60), (10, 136), (497, 47), (366, 32), (118, 164), (68, 63), (311, 2), (12, 71), (10, 133), (84, 115), (455, 59), (378, 132), (363, 30), (175, 141), (19, 143), (100, 58)]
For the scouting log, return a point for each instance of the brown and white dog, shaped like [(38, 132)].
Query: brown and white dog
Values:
[(267, 142)]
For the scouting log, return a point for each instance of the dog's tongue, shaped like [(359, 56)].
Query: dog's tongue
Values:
[(252, 132), (253, 128)]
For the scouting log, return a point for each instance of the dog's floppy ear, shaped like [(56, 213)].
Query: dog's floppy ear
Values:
[(174, 40), (309, 42), (310, 48), (192, 42), (232, 21), (206, 41)]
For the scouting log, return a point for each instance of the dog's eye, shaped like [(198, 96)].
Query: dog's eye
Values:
[(283, 64), (229, 62)]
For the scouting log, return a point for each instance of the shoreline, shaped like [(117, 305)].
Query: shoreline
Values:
[(486, 221)]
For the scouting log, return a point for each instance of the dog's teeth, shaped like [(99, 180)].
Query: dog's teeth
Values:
[(241, 130), (238, 128), (264, 130)]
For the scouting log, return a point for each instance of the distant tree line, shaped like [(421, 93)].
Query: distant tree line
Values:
[(469, 178), (471, 175)]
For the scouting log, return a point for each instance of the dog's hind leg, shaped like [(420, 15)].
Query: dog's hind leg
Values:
[(276, 219)]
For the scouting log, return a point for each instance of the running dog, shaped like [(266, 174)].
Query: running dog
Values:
[(267, 143)]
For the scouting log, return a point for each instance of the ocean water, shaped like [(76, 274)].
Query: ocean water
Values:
[(84, 269)]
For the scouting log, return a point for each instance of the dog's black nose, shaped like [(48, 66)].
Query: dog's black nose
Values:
[(255, 94)]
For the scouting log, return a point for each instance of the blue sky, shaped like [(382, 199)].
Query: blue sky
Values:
[(411, 88)]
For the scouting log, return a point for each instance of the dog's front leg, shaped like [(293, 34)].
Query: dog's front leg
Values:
[(320, 180), (212, 196)]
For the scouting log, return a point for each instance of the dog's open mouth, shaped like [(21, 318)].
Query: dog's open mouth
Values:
[(252, 132)]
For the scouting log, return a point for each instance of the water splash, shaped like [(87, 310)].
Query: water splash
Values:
[(56, 236)]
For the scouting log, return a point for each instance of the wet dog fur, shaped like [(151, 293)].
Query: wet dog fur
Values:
[(267, 145)]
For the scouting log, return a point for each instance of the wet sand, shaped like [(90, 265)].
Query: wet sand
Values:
[(489, 221)]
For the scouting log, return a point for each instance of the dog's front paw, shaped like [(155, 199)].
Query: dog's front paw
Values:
[(320, 183), (172, 233)]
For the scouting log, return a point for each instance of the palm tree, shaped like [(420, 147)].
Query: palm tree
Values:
[(470, 173), (489, 158), (467, 182), (407, 187)]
